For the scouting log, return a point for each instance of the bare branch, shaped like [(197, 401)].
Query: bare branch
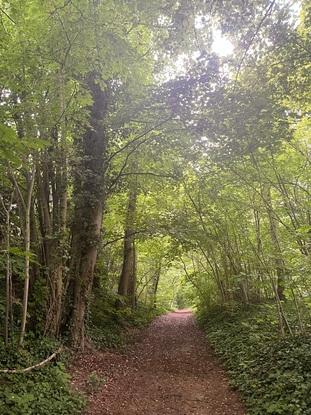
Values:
[(17, 187), (9, 17), (37, 366), (143, 134), (268, 11)]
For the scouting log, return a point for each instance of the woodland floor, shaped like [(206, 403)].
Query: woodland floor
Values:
[(168, 370)]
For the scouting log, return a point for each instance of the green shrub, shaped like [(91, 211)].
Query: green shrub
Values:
[(107, 324), (43, 391), (272, 373)]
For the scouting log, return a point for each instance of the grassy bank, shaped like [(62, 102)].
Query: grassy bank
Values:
[(272, 373)]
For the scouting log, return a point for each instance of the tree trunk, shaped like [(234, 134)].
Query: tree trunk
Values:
[(131, 292), (88, 210), (58, 245), (127, 280), (27, 233), (8, 283), (155, 284), (59, 194), (279, 262)]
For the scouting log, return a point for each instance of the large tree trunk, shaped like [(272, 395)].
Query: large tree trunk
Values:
[(88, 210)]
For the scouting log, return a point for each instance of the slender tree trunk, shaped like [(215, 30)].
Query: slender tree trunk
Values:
[(8, 300), (131, 292), (27, 208), (283, 322), (88, 210), (156, 284), (279, 262), (59, 218), (8, 283), (127, 280)]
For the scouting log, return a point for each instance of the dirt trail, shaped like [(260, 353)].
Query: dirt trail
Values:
[(170, 371)]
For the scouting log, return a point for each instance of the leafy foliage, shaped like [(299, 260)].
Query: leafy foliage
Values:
[(272, 373), (109, 326), (130, 148), (42, 391)]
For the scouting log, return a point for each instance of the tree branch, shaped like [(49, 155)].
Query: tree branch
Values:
[(9, 17), (268, 11), (138, 138), (37, 366)]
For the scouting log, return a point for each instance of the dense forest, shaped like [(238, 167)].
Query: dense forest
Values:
[(155, 155)]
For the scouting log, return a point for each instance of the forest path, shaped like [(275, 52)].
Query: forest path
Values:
[(170, 370)]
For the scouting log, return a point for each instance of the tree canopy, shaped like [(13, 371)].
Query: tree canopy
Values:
[(142, 167)]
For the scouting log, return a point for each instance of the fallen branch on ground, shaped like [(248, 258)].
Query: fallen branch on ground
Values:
[(28, 369)]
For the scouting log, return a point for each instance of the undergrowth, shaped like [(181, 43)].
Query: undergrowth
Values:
[(46, 390), (272, 373), (109, 326), (43, 391)]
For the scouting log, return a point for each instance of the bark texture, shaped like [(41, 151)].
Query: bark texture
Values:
[(88, 210)]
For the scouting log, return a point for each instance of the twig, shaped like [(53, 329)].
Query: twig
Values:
[(17, 188), (138, 137), (9, 17), (268, 11)]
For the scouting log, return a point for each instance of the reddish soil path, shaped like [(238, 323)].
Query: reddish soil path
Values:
[(170, 371)]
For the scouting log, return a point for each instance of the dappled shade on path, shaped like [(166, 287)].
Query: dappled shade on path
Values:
[(170, 370)]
